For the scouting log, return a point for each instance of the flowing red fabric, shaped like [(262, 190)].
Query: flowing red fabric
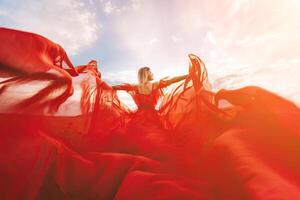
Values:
[(66, 135)]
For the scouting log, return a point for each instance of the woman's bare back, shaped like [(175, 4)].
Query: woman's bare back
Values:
[(146, 88)]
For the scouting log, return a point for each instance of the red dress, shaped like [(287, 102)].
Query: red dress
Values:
[(66, 135)]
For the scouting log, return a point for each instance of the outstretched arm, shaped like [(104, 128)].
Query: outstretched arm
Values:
[(124, 86), (117, 87), (173, 80), (176, 79), (166, 82)]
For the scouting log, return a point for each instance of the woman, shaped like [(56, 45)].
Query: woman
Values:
[(146, 93), (144, 129)]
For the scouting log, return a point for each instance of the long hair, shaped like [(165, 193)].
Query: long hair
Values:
[(143, 74)]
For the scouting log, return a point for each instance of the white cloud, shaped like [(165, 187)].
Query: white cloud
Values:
[(232, 37), (108, 7), (176, 38), (213, 54), (153, 41), (71, 23), (135, 5), (211, 38), (126, 76)]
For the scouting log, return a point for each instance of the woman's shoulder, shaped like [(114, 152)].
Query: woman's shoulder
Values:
[(160, 83), (153, 85), (134, 86)]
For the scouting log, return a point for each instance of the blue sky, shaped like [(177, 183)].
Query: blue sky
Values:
[(243, 42)]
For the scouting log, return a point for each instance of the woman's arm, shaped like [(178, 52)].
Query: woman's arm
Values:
[(117, 87), (166, 82), (176, 79), (124, 86)]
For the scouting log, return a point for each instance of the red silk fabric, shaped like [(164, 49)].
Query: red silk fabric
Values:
[(66, 135)]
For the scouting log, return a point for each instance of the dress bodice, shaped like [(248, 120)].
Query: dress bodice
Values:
[(145, 101)]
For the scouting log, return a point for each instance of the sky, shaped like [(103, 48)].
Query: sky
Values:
[(242, 42)]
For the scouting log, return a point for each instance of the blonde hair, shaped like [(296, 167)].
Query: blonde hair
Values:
[(143, 74)]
